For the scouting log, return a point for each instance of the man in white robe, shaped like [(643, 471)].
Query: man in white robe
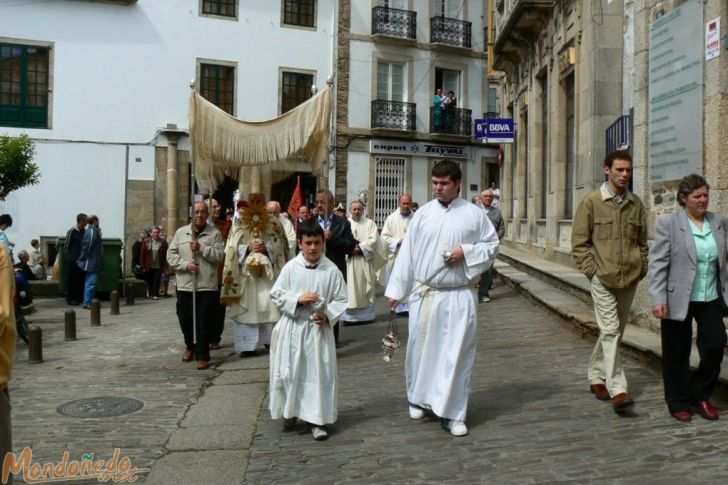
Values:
[(368, 257), (311, 295), (393, 232), (274, 209), (449, 244)]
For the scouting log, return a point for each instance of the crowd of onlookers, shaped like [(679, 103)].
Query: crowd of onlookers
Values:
[(149, 261), (31, 263)]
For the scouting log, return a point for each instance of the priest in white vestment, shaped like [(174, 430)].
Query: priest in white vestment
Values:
[(369, 255), (393, 232), (274, 209), (311, 295), (449, 244), (255, 253)]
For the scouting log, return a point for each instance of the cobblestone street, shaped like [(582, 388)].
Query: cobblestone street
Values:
[(531, 417)]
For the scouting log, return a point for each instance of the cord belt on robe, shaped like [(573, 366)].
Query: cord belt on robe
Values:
[(426, 293)]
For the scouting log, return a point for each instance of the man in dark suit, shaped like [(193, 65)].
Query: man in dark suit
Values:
[(338, 238)]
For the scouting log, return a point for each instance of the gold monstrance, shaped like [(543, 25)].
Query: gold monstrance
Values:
[(255, 220)]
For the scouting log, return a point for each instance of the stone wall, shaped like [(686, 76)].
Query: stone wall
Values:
[(342, 99), (660, 198), (139, 214)]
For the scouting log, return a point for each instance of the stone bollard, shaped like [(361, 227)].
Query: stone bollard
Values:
[(95, 312), (70, 325), (129, 295), (35, 345), (114, 303)]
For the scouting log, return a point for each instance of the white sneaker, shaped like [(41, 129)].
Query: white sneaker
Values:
[(484, 299), (457, 428), (416, 413), (319, 433)]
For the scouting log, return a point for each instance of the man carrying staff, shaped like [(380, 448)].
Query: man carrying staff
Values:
[(194, 253), (449, 244)]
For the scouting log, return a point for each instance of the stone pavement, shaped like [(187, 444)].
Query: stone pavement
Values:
[(531, 417)]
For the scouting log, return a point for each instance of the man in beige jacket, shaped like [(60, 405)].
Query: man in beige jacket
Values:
[(194, 253), (609, 243)]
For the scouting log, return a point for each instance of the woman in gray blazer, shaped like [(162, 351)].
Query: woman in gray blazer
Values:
[(688, 281)]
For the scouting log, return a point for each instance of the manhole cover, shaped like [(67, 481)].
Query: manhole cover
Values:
[(100, 407)]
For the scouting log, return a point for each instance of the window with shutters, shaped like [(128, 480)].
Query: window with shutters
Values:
[(24, 85), (217, 85), (389, 184)]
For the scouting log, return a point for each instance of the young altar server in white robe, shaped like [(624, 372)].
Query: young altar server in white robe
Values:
[(450, 242), (311, 296), (393, 232), (369, 255)]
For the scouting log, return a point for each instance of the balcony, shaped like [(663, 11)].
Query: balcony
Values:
[(519, 26), (394, 23), (451, 121), (393, 115), (448, 32)]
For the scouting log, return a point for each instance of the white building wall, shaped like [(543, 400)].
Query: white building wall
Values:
[(420, 180), (89, 180), (118, 73), (357, 174)]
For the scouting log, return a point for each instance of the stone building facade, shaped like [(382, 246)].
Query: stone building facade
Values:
[(577, 82)]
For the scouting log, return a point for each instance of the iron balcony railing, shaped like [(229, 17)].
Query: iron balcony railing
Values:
[(451, 121), (617, 135), (452, 32), (393, 115), (394, 23)]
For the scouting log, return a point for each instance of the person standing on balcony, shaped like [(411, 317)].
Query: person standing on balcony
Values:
[(449, 103), (437, 102), (609, 243)]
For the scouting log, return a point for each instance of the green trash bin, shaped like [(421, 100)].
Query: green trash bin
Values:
[(110, 275)]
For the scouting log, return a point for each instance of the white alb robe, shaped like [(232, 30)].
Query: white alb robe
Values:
[(442, 299), (290, 236), (254, 315), (302, 353), (360, 271), (393, 231)]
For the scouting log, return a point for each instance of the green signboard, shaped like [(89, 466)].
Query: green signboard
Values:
[(675, 113)]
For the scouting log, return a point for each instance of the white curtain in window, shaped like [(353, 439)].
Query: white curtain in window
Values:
[(390, 81), (451, 82)]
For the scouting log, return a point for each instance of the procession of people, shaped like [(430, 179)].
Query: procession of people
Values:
[(285, 287)]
